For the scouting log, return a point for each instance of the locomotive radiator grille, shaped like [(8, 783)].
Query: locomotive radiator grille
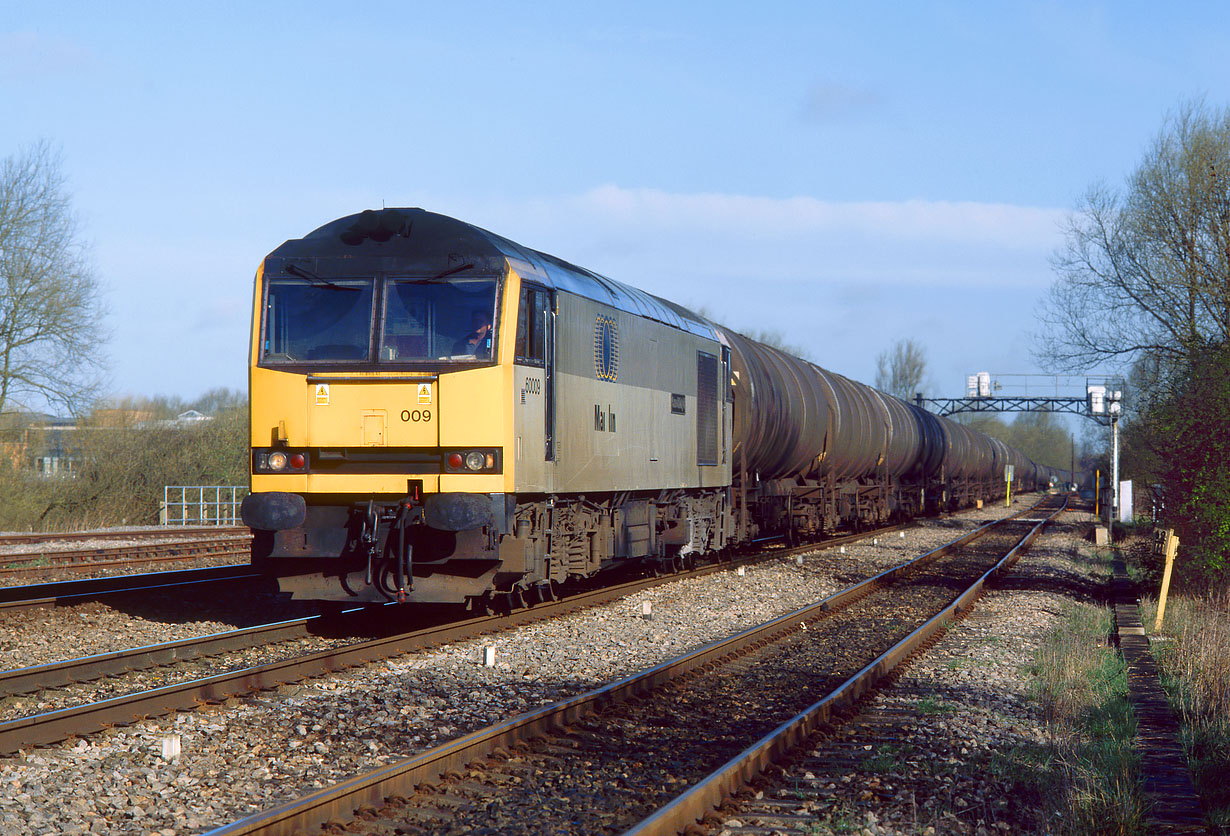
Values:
[(706, 408)]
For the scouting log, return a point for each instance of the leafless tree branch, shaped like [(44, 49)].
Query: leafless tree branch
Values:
[(51, 330), (900, 370), (1146, 271)]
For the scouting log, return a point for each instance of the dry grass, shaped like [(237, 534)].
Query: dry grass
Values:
[(1193, 651), (1084, 781), (1082, 688)]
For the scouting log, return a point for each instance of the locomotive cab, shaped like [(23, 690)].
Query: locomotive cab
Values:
[(381, 377)]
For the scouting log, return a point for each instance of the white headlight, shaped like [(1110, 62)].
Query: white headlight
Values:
[(277, 460)]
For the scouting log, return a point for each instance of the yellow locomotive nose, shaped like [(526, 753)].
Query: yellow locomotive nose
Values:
[(356, 413), (360, 429), (380, 375)]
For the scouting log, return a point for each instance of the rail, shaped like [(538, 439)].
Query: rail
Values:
[(709, 794), (60, 593), (32, 537), (340, 801), (85, 560), (56, 725)]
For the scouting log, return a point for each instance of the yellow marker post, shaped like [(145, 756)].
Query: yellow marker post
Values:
[(1097, 493), (1172, 547)]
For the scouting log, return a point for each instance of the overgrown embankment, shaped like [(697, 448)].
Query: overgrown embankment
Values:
[(118, 472)]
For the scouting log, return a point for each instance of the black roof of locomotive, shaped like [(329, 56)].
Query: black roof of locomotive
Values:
[(421, 243)]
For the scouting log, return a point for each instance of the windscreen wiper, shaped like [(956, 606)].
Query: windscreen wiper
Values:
[(317, 281), (450, 271)]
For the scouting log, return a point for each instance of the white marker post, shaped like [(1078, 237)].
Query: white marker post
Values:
[(171, 747)]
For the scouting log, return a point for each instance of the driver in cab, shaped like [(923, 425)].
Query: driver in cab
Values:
[(478, 341)]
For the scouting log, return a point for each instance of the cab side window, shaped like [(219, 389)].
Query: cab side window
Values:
[(532, 326)]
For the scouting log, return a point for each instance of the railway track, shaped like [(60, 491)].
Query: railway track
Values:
[(107, 557), (55, 675), (62, 593), (66, 593), (35, 537), (639, 754), (86, 714)]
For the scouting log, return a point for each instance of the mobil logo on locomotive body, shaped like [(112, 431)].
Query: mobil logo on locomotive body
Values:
[(606, 349)]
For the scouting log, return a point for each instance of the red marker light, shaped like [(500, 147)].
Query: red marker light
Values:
[(297, 461), (455, 460)]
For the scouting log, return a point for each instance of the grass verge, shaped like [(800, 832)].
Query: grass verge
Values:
[(1193, 652), (1084, 781)]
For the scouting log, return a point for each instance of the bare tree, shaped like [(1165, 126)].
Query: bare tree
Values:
[(900, 370), (50, 301), (1146, 271), (776, 339), (766, 336)]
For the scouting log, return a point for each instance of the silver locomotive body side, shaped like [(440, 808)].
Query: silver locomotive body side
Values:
[(642, 405)]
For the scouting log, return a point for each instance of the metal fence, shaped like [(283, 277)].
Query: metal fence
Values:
[(201, 504)]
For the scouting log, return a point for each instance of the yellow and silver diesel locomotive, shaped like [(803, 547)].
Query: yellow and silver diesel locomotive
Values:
[(439, 414), (442, 415)]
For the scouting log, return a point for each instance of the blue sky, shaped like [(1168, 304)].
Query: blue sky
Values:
[(846, 174)]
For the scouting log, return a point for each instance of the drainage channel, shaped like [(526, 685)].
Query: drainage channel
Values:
[(1166, 781), (470, 767)]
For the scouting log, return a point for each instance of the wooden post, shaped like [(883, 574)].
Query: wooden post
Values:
[(1172, 546)]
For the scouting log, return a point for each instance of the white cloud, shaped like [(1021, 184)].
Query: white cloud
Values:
[(978, 223), (26, 55), (843, 279), (829, 101), (637, 233), (640, 35)]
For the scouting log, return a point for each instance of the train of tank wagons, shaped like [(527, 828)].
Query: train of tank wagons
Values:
[(439, 414)]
